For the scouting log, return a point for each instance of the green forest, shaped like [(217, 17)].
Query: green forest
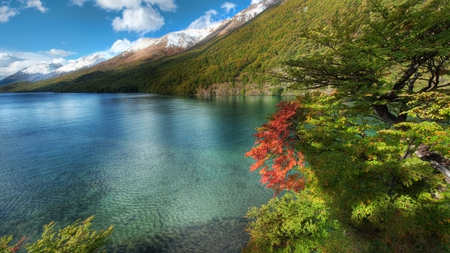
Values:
[(359, 160)]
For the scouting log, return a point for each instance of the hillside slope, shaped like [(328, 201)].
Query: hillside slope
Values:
[(238, 63)]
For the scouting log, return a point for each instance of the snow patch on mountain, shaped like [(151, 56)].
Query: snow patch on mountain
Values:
[(254, 10), (83, 62), (183, 39), (189, 37)]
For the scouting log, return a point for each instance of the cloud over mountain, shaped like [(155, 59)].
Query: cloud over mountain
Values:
[(141, 20), (120, 46), (228, 7), (207, 20), (12, 62), (57, 52)]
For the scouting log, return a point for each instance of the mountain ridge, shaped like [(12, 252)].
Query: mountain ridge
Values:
[(242, 62), (177, 42), (145, 49)]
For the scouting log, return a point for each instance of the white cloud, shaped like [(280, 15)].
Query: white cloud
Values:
[(118, 4), (61, 61), (78, 2), (12, 62), (204, 21), (119, 46), (256, 1), (6, 13), (16, 66), (228, 6), (36, 4), (164, 5), (57, 52), (6, 59), (138, 16), (141, 20)]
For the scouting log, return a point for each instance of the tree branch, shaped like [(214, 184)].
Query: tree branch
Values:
[(437, 160), (415, 64), (408, 152), (383, 112)]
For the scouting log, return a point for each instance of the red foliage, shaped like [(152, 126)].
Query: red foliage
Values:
[(18, 245), (275, 144)]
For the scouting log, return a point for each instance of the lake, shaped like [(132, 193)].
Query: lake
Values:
[(168, 172)]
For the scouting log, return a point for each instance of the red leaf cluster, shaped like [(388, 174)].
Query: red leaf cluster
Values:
[(18, 245), (274, 145)]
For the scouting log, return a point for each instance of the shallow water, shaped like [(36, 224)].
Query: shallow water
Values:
[(168, 172)]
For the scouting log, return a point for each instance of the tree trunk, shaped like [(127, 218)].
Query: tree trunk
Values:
[(383, 112), (437, 160)]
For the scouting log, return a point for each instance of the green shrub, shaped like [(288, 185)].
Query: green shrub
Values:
[(296, 222)]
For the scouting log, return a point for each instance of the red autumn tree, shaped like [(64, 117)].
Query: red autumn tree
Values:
[(274, 151)]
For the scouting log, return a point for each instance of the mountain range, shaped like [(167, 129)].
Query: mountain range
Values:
[(244, 55), (44, 71), (145, 49)]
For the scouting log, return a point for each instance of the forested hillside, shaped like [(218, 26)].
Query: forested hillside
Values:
[(243, 62)]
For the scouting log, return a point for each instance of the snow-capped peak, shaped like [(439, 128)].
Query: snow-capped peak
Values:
[(189, 37), (83, 62), (182, 39), (254, 10)]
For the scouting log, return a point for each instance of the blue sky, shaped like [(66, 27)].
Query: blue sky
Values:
[(34, 31)]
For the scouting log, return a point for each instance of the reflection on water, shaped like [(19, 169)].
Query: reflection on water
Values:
[(168, 172)]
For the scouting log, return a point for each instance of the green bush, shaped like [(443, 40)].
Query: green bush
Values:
[(296, 222)]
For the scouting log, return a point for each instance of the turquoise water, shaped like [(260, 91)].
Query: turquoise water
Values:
[(168, 172)]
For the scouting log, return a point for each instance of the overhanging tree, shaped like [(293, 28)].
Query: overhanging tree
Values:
[(373, 124)]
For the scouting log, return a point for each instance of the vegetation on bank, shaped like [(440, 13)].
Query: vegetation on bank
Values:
[(78, 237), (364, 167)]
